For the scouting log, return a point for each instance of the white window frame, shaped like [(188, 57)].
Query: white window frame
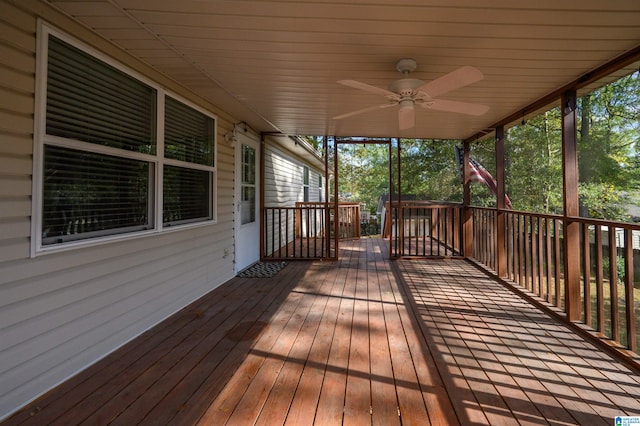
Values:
[(157, 161), (306, 179)]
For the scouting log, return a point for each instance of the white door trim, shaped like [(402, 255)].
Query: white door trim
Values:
[(247, 237)]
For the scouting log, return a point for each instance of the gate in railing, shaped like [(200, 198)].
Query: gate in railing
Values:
[(307, 230), (424, 229)]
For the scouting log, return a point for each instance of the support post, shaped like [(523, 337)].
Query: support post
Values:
[(501, 260), (467, 223), (571, 231), (327, 213), (400, 217), (336, 212), (261, 208), (387, 218)]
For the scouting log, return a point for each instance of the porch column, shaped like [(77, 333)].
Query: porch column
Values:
[(261, 209), (467, 222), (571, 240), (501, 261)]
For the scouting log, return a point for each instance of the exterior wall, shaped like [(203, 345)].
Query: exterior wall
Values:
[(283, 179), (60, 312), (283, 187)]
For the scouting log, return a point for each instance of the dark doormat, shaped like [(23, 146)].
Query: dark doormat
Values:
[(262, 270)]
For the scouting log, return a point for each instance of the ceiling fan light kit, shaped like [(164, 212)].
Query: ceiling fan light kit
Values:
[(406, 92)]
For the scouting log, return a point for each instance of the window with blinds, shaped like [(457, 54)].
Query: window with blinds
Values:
[(188, 139), (188, 134), (186, 195), (100, 157), (91, 101), (88, 195)]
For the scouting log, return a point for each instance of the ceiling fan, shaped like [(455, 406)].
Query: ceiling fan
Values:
[(407, 92)]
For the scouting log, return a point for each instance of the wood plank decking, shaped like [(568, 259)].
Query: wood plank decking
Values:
[(360, 341)]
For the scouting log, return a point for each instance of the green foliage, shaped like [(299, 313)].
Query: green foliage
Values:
[(608, 142), (534, 163), (363, 173), (620, 271), (315, 142), (429, 171), (602, 200)]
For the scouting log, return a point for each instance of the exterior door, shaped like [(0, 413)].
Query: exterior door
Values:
[(247, 225)]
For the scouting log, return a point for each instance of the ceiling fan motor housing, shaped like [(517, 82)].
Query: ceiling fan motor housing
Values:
[(406, 87)]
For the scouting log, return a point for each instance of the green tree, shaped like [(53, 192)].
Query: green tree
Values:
[(608, 140), (429, 169), (363, 173)]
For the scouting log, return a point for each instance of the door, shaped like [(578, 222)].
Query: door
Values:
[(247, 186)]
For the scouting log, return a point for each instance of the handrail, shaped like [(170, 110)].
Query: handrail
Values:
[(609, 259), (424, 228), (307, 230), (348, 216)]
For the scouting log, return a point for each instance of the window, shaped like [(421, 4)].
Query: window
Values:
[(305, 183), (188, 145), (186, 195), (320, 188), (248, 185), (88, 195), (98, 158)]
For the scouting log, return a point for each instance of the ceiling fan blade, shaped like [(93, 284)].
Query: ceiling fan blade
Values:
[(406, 116), (367, 88), (361, 111), (455, 79), (456, 106)]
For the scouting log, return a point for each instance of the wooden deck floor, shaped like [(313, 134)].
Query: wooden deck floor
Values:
[(358, 341)]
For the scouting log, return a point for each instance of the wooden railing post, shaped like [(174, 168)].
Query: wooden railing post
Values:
[(571, 229), (501, 259)]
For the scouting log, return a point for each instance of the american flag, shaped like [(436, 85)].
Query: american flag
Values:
[(479, 174)]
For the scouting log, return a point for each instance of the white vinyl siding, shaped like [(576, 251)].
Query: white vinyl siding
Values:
[(284, 179), (63, 311)]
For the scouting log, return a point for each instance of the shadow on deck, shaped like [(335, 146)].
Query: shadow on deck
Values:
[(361, 340)]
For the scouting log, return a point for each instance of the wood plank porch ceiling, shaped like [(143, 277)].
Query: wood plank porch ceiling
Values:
[(275, 63), (361, 341)]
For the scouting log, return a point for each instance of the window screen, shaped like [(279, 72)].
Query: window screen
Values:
[(186, 195), (189, 139), (188, 134), (91, 101), (88, 195)]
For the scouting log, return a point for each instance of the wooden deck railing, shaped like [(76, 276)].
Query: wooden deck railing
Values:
[(424, 229), (615, 283), (609, 259), (307, 230)]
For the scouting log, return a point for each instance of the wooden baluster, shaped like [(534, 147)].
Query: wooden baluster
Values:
[(628, 290), (613, 284)]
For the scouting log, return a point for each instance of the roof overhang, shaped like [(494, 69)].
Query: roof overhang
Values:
[(275, 63)]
